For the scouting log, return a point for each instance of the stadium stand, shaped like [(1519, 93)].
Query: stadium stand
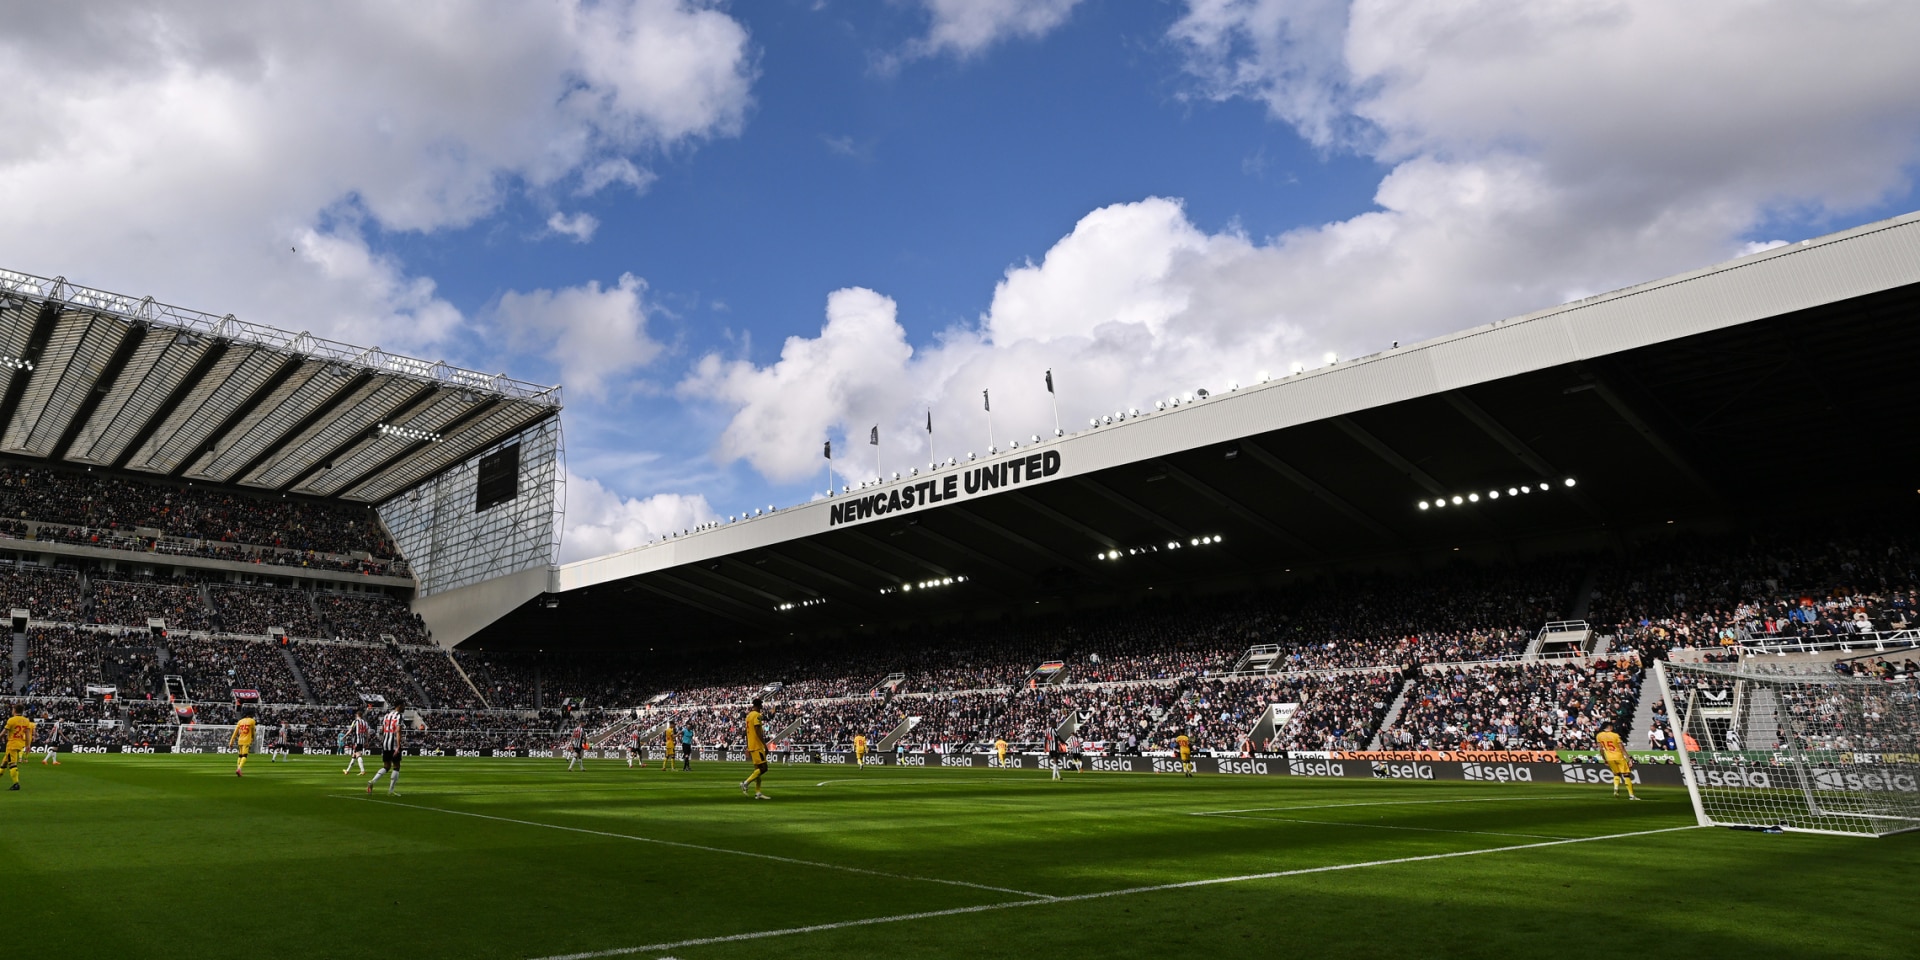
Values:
[(212, 666), (131, 603), (368, 617), (256, 610), (50, 593), (347, 673)]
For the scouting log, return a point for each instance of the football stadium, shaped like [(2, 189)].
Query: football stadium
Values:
[(1590, 631)]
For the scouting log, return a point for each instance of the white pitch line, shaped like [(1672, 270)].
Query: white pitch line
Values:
[(696, 846), (956, 780), (1078, 897), (1389, 826)]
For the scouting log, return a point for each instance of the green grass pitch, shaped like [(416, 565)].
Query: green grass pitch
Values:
[(173, 856)]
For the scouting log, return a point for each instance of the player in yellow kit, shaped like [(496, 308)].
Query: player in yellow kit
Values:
[(242, 737), (19, 741), (1185, 748), (859, 749), (1000, 751), (756, 752), (667, 764), (1615, 753)]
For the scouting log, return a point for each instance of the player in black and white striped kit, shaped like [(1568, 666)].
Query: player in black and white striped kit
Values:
[(357, 735), (577, 748), (391, 743), (50, 744), (282, 742)]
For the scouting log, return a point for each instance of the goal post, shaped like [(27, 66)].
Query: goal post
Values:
[(1815, 751), (213, 738)]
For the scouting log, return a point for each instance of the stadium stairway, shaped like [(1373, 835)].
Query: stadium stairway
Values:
[(1392, 715), (898, 734), (299, 676), (462, 671), (17, 665), (1643, 710)]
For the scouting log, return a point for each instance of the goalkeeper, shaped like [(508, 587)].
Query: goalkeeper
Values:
[(1617, 760)]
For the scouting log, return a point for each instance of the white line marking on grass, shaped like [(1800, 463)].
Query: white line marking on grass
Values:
[(696, 846), (1033, 780), (1388, 826), (1074, 898)]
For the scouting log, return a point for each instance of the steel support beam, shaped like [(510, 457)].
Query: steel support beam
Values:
[(1266, 459)]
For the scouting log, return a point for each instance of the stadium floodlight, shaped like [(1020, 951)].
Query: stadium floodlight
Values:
[(1297, 367), (1493, 494), (1513, 491), (1191, 397), (1331, 358), (1456, 501), (1544, 488), (1036, 438), (1196, 541), (1013, 444), (1159, 404), (1569, 481), (1093, 421), (1233, 385), (896, 474), (1133, 411), (1106, 420), (1173, 544), (1424, 505), (1440, 502), (969, 455), (913, 472), (1265, 376), (16, 363)]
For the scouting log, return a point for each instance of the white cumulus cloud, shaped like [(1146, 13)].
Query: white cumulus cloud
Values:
[(600, 521), (238, 158), (579, 227), (592, 333), (1536, 153), (966, 28)]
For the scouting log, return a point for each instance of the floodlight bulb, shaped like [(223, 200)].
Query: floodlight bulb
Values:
[(1424, 505), (1331, 358), (1543, 488), (1473, 498), (1456, 501), (1264, 376), (1493, 494), (1513, 491), (1569, 481)]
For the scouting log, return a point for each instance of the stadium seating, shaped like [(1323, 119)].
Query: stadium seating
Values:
[(255, 610), (129, 603)]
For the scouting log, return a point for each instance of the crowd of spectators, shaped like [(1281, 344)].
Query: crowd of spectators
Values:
[(341, 673), (47, 593), (121, 504), (255, 610), (131, 603), (434, 672), (369, 616), (1535, 706), (212, 666), (61, 661)]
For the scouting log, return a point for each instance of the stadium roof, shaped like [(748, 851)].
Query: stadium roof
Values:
[(1710, 396), (104, 379)]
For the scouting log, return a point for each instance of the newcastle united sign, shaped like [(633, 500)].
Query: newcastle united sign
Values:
[(954, 486)]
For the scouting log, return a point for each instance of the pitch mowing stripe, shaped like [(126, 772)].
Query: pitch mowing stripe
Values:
[(1381, 803), (1388, 826), (1078, 897), (1038, 897)]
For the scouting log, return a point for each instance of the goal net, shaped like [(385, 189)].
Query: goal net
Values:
[(1812, 751), (214, 737)]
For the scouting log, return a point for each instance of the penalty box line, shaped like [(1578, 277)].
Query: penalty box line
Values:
[(1080, 897), (1038, 897)]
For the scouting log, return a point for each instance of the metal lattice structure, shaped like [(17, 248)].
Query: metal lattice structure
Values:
[(128, 383), (450, 544), (1813, 752)]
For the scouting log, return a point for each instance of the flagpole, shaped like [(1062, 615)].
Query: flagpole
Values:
[(986, 399), (1055, 400)]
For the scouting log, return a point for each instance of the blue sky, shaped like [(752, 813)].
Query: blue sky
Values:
[(733, 230)]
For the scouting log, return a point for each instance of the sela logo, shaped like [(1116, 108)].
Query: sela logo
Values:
[(1734, 777), (431, 753), (1402, 771), (466, 753), (1502, 772), (313, 751), (1112, 765), (1168, 766), (833, 758), (84, 749), (956, 761), (907, 760), (540, 753), (190, 750), (1864, 782), (1243, 766), (136, 750), (1590, 773), (1316, 768)]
